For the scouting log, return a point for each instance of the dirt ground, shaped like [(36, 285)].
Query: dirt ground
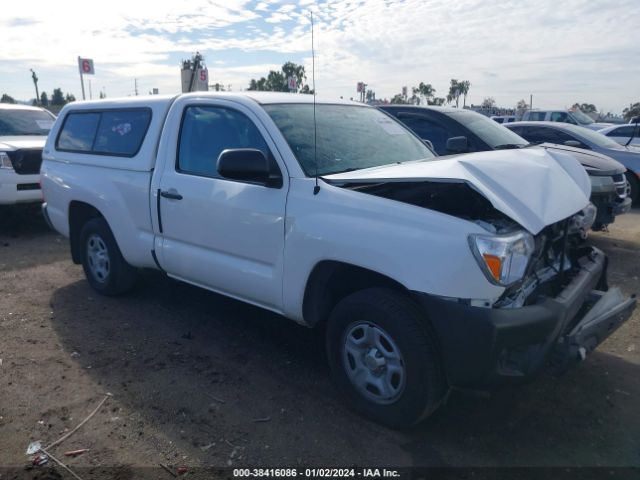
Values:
[(202, 380)]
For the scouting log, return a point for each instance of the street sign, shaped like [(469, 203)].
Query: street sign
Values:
[(86, 66), (360, 87), (293, 85)]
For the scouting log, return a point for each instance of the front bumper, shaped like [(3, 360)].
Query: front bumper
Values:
[(488, 346), (16, 188), (609, 206)]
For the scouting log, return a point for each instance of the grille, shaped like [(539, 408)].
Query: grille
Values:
[(622, 186), (26, 162)]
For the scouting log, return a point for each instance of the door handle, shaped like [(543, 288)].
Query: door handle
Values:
[(172, 194)]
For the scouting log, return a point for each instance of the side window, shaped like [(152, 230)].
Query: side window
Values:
[(537, 116), (560, 137), (559, 116), (78, 132), (122, 132), (207, 131), (107, 132), (536, 134), (621, 132), (431, 131)]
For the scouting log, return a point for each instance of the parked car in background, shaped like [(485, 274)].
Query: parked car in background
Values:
[(574, 136), (503, 118), (455, 131), (626, 134), (23, 132), (574, 117), (426, 272)]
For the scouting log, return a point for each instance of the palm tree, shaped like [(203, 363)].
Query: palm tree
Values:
[(464, 85)]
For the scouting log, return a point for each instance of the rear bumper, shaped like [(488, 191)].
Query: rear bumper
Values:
[(488, 346)]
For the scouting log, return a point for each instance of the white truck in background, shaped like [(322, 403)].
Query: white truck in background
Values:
[(427, 273), (23, 132)]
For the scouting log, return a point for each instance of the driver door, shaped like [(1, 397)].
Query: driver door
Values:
[(222, 234)]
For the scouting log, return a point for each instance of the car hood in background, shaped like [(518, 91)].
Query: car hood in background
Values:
[(589, 159), (22, 141), (597, 126), (534, 187)]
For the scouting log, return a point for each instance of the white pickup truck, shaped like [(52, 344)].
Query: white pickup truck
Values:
[(23, 132), (426, 273)]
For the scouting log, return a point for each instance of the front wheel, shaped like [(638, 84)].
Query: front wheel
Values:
[(384, 357), (105, 268)]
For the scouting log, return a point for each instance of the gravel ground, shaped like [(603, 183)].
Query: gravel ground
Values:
[(202, 380)]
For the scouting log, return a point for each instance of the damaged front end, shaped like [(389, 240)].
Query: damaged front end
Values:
[(555, 307)]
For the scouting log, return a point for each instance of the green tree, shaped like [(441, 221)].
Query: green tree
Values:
[(277, 81), (464, 86), (7, 99), (102, 95), (69, 97), (585, 107), (57, 98), (371, 95), (291, 69), (44, 99), (488, 102), (422, 94), (630, 112), (399, 99), (522, 105), (455, 90)]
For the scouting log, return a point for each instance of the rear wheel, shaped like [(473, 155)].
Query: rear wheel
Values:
[(635, 187), (384, 358), (105, 268)]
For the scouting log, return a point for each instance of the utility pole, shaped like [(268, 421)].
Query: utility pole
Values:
[(90, 93), (135, 83), (35, 82), (531, 101)]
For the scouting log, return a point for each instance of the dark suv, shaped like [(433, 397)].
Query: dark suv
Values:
[(453, 131)]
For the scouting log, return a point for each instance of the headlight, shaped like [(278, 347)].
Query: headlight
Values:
[(585, 219), (503, 258), (5, 161)]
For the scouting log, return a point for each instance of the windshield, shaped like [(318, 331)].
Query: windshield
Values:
[(25, 122), (490, 132), (594, 137), (349, 137), (581, 117)]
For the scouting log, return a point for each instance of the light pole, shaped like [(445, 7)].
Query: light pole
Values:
[(35, 82)]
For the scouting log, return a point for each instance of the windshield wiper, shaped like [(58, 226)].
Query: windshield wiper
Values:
[(507, 146)]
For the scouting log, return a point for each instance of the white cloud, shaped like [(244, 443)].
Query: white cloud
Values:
[(576, 50)]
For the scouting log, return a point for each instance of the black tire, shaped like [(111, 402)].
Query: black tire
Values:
[(120, 277), (635, 187), (401, 319)]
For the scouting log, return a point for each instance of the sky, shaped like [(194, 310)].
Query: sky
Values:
[(561, 52)]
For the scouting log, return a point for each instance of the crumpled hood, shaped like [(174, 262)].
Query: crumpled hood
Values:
[(24, 141), (534, 187)]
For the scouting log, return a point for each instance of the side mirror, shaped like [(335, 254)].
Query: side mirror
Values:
[(427, 143), (245, 165), (573, 143), (457, 144)]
